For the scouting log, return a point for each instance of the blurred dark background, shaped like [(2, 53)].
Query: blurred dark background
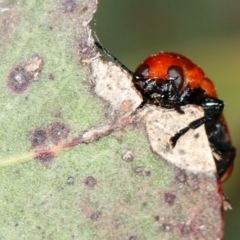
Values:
[(208, 32)]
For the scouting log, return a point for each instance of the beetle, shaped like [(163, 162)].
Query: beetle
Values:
[(170, 80)]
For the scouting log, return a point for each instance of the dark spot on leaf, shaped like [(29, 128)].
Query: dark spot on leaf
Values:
[(19, 80), (45, 156), (196, 135), (167, 147), (148, 173), (90, 182), (169, 198), (185, 229), (84, 9), (142, 172), (118, 222), (181, 177), (95, 216), (24, 73), (58, 131), (166, 227), (181, 152), (69, 6), (128, 156), (194, 183), (38, 137), (51, 76), (132, 238), (70, 180)]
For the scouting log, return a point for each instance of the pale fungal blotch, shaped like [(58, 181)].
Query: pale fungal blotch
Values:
[(128, 156), (190, 153), (34, 67), (114, 86)]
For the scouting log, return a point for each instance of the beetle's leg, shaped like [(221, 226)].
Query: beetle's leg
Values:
[(224, 154), (142, 103), (212, 107), (222, 149)]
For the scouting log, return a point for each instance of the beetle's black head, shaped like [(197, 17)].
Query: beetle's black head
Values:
[(163, 92)]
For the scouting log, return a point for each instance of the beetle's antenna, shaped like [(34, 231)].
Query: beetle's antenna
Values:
[(138, 77), (100, 46)]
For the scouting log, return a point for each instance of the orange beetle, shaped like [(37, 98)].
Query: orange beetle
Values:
[(171, 80)]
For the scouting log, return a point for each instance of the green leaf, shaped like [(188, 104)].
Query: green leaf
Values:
[(77, 158)]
